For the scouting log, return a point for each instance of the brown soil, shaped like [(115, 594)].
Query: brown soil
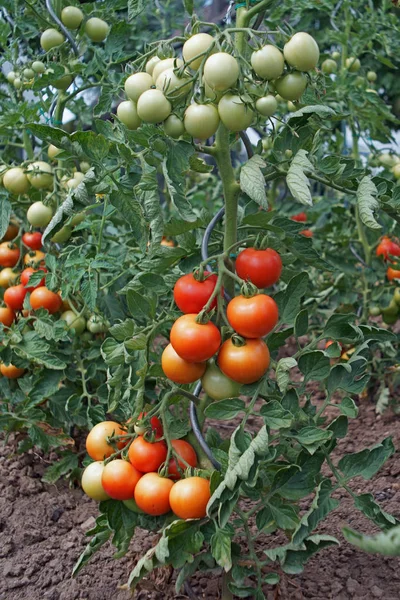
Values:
[(42, 532)]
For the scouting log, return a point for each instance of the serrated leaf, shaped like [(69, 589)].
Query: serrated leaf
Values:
[(367, 202), (276, 416), (386, 543), (318, 109), (371, 509), (314, 365), (133, 214), (89, 289), (301, 323), (225, 409), (367, 462), (296, 179), (5, 213), (135, 7), (289, 299), (252, 180), (101, 535), (282, 372), (62, 467), (221, 549)]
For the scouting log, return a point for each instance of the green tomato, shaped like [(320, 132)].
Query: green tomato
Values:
[(62, 235), (392, 308), (38, 66), (72, 17), (39, 215), (153, 107), (29, 73), (291, 107), (217, 385), (396, 296), (131, 504), (15, 181), (77, 219), (288, 153), (11, 76), (78, 323), (267, 105), (329, 66), (63, 82), (51, 38), (375, 311), (201, 120), (388, 318), (353, 64), (151, 64), (53, 151), (174, 127), (234, 113), (127, 114), (268, 62), (169, 83), (17, 83), (163, 65), (301, 52), (96, 324), (96, 29), (291, 86), (221, 71), (136, 84), (396, 171), (85, 166), (372, 76), (40, 175), (197, 44), (387, 160), (91, 481), (336, 55)]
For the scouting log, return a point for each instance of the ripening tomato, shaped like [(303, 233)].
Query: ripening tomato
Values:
[(191, 295), (147, 456), (152, 494), (14, 296), (179, 370), (252, 317), (217, 385), (34, 257), (392, 274), (91, 481), (300, 217), (307, 233), (9, 254), (189, 498), (7, 277), (261, 267), (142, 425), (97, 445), (10, 371), (33, 240), (42, 297), (7, 316), (26, 275), (119, 479), (244, 364), (194, 341), (11, 232), (387, 247), (183, 451)]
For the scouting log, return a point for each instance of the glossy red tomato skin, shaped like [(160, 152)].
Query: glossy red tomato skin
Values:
[(189, 498), (9, 254), (244, 364), (193, 341), (7, 316), (155, 425), (262, 267), (145, 456), (387, 247), (191, 295), (307, 233), (14, 296), (26, 274), (252, 317), (185, 451), (152, 494), (42, 297), (119, 479), (392, 274), (179, 370), (33, 240), (300, 217)]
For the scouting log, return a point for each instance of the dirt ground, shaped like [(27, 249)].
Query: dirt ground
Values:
[(42, 532)]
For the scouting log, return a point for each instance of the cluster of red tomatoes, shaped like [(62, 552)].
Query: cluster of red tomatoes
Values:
[(388, 248), (194, 339), (136, 480)]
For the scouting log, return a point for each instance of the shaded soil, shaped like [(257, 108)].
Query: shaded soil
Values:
[(42, 532)]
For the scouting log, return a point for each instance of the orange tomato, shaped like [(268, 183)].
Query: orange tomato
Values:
[(9, 254), (34, 257), (42, 297), (119, 479), (7, 316), (307, 233), (97, 445), (147, 456), (189, 498), (252, 317), (244, 364), (152, 494), (194, 341), (185, 451), (392, 274), (12, 231), (179, 370), (10, 371)]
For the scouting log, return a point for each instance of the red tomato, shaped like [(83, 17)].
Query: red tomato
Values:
[(252, 317), (300, 217), (191, 295), (185, 451), (179, 370), (152, 494), (26, 274), (14, 296), (261, 267), (156, 426), (244, 364), (42, 297), (193, 341), (189, 498), (307, 233), (390, 274), (7, 316), (10, 371), (97, 445), (9, 254), (147, 456), (33, 240), (387, 247), (119, 479)]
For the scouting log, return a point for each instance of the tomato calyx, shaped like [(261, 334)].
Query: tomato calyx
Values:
[(238, 340), (199, 274), (204, 316), (248, 289)]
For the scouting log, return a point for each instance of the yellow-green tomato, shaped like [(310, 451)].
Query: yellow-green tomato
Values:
[(29, 73), (40, 175), (53, 151), (329, 66), (234, 113), (372, 76), (169, 83), (301, 52), (38, 66), (201, 120), (17, 83), (127, 114), (267, 105), (79, 176), (268, 62), (387, 160), (77, 219), (174, 127), (11, 76), (151, 64), (217, 385), (221, 71), (51, 38), (353, 64), (72, 17), (15, 181), (39, 215), (63, 82), (136, 84), (91, 481), (291, 86), (163, 65), (197, 44), (63, 235), (85, 166), (72, 183), (396, 296), (396, 171), (96, 324), (78, 323), (291, 107), (336, 55), (96, 29), (153, 107)]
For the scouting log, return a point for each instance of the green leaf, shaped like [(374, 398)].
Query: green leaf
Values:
[(321, 506), (297, 181), (367, 462), (385, 543), (313, 437), (317, 109), (221, 549), (62, 467), (89, 289), (282, 372), (252, 180), (135, 7), (367, 202), (314, 365), (101, 534), (5, 213), (294, 559), (351, 380), (136, 342), (301, 323), (138, 305), (348, 408), (284, 515), (225, 409), (272, 579), (383, 400), (371, 509), (340, 327), (276, 417), (133, 214), (122, 523), (289, 299)]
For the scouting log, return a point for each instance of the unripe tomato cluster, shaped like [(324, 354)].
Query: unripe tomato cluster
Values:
[(135, 479), (72, 17), (193, 94)]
